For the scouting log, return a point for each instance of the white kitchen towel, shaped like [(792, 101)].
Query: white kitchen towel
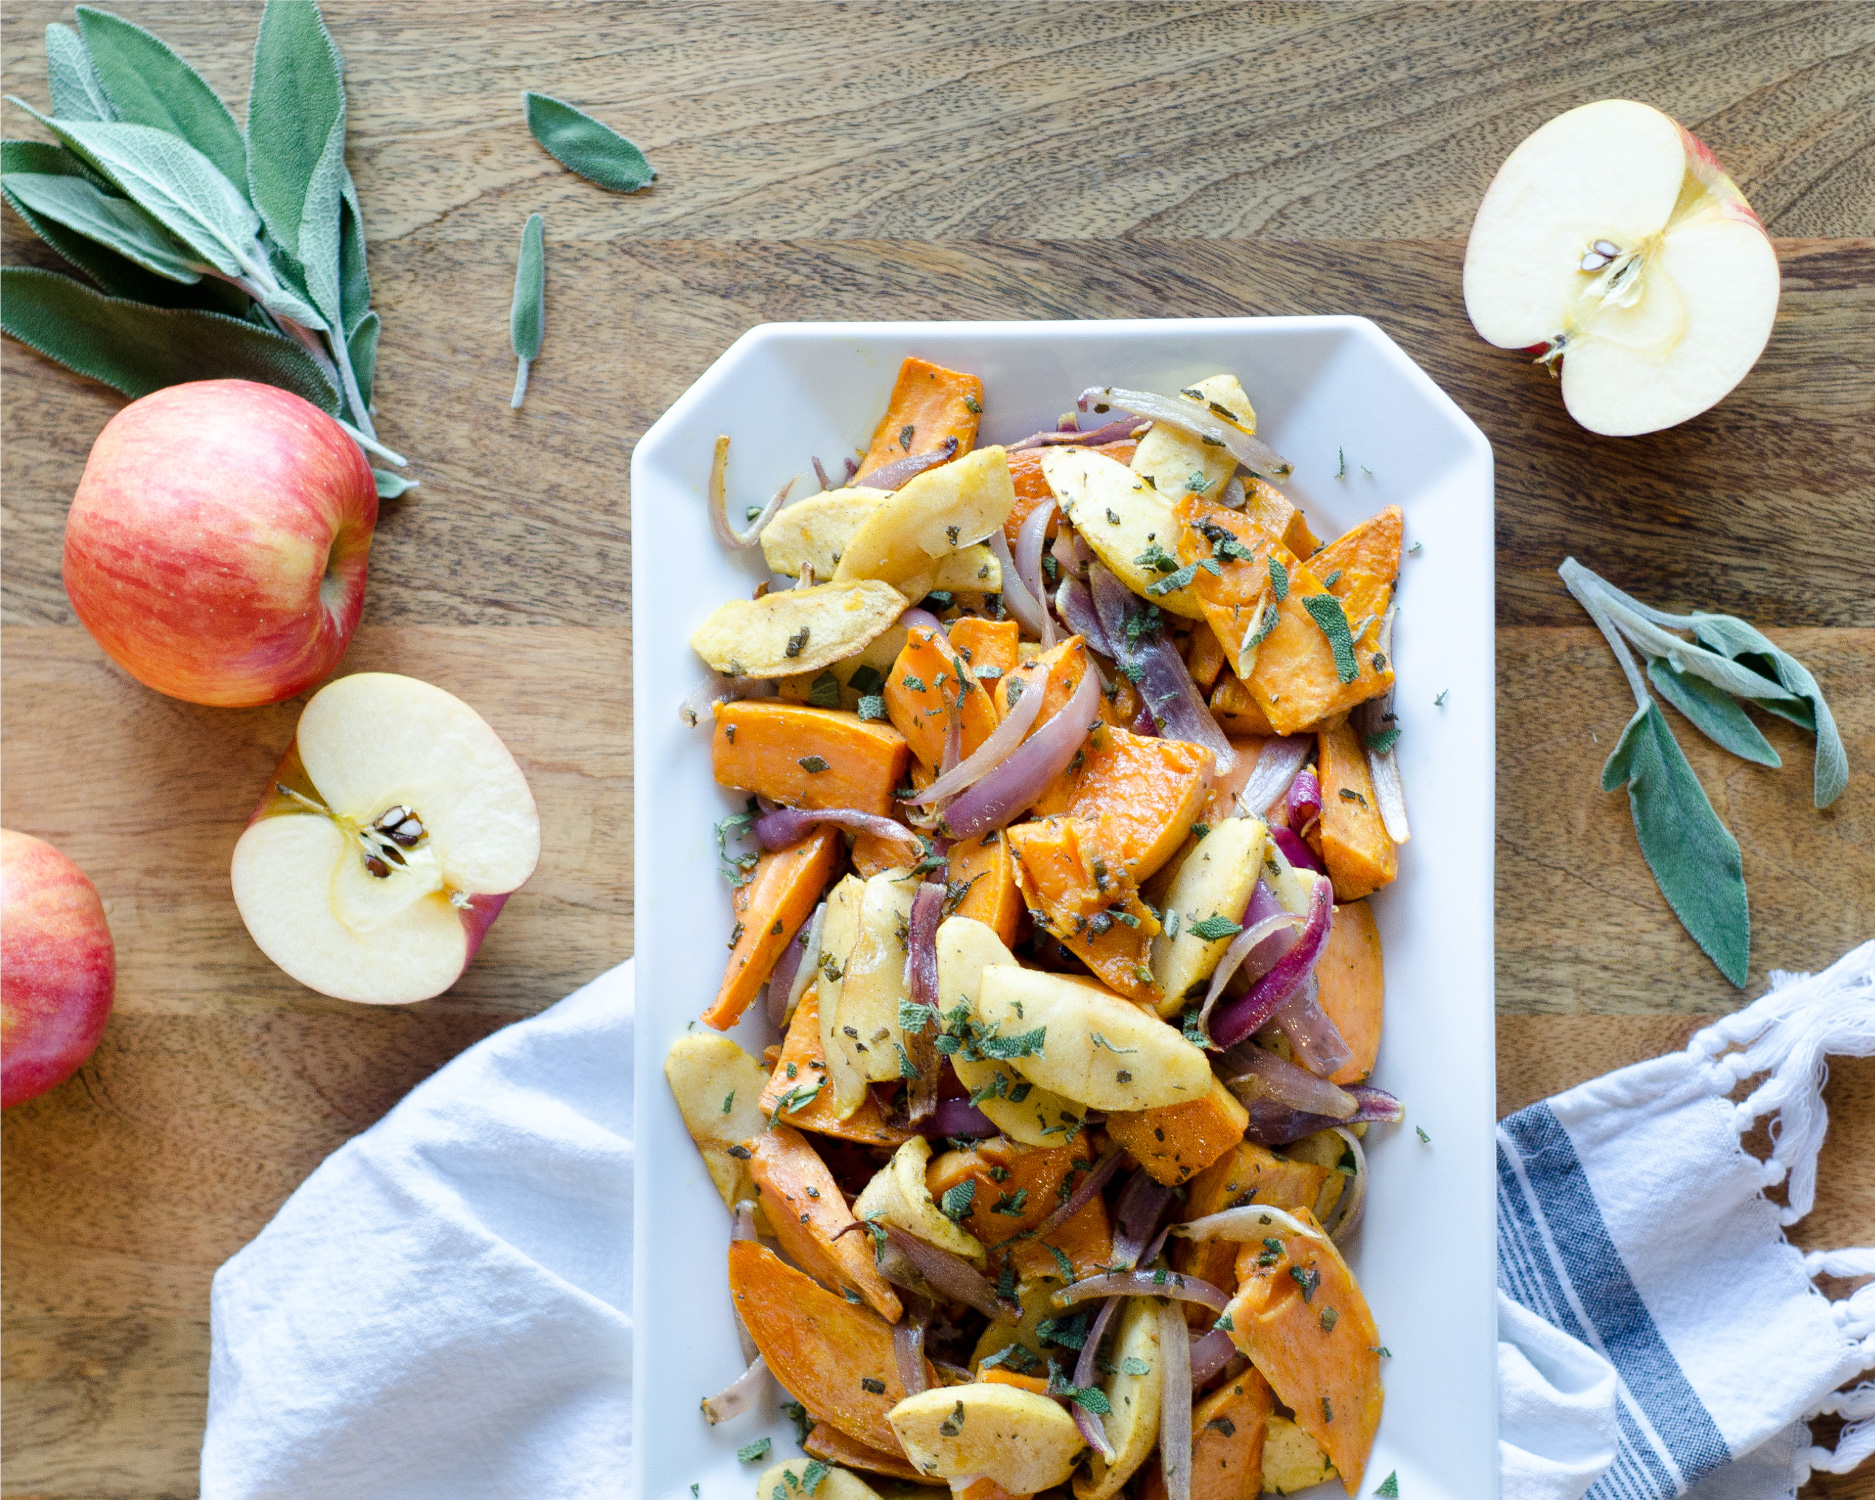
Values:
[(1679, 1343), (443, 1310)]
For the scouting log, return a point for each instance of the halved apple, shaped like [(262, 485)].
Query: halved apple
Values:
[(1613, 240), (392, 833)]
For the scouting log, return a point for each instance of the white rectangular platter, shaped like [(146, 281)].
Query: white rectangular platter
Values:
[(1365, 428)]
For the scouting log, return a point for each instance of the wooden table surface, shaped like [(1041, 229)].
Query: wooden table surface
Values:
[(893, 161)]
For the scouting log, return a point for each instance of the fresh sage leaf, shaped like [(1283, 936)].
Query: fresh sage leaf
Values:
[(390, 485), (148, 84), (104, 218), (319, 229), (354, 277), (1714, 713), (526, 319), (363, 345), (1694, 857), (581, 144), (172, 182), (138, 349), (72, 81), (297, 96), (1735, 639)]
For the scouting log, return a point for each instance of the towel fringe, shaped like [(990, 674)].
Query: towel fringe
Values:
[(1789, 1034), (1857, 1440)]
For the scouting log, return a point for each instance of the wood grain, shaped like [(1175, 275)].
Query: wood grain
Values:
[(991, 161)]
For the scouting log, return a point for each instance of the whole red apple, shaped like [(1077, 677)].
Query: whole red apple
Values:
[(58, 970), (218, 542)]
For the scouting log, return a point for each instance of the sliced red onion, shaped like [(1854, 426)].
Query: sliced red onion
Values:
[(1376, 1104), (1239, 1019), (1012, 787), (1161, 1283), (927, 906), (716, 689), (893, 476), (988, 755), (1298, 853), (1304, 801), (916, 618), (1263, 920), (1136, 1214), (1175, 1402), (1253, 453), (1076, 608), (1029, 538), (1371, 721), (852, 468), (821, 474), (742, 1227), (739, 1395), (1086, 1369), (1281, 758), (1160, 673), (952, 1276), (1209, 1353), (810, 961), (1075, 558), (784, 827), (908, 1345), (1232, 497), (1314, 1039), (1249, 1221), (959, 1118), (1031, 614), (1112, 432), (1143, 725), (953, 738), (1281, 1080), (1092, 1183), (719, 503), (781, 977), (1345, 1217)]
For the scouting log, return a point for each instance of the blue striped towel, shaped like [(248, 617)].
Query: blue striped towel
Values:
[(1659, 1336)]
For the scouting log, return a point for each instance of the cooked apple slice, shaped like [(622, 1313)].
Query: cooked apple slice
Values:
[(1612, 239), (393, 831)]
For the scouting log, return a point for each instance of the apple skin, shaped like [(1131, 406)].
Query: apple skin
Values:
[(218, 543), (58, 969)]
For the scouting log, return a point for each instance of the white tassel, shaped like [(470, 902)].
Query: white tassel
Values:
[(1856, 1441), (1790, 1033)]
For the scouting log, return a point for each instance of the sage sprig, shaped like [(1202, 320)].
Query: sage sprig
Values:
[(583, 145), (1710, 680), (168, 206), (526, 319)]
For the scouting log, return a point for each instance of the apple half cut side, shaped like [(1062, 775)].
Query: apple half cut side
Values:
[(1612, 239), (392, 833)]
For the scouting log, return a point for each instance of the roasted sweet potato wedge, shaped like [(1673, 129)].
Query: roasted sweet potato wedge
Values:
[(1145, 791), (808, 757), (770, 909), (830, 1445), (1177, 1141), (1352, 986), (1010, 1188), (929, 404), (1247, 1173), (1361, 858), (1071, 873), (1025, 473), (922, 691), (833, 1356), (989, 647), (1227, 1432), (809, 1215), (800, 1075), (987, 871)]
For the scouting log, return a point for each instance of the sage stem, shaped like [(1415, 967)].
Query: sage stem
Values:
[(372, 445), (520, 384), (1586, 588)]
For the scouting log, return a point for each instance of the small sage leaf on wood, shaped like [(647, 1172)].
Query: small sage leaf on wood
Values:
[(138, 349), (1693, 855), (1753, 649), (148, 84), (581, 144), (1712, 712), (72, 81), (390, 485), (320, 226), (527, 317), (104, 218), (297, 96)]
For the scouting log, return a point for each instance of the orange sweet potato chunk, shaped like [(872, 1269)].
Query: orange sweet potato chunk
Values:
[(1204, 527), (1071, 875), (1363, 563), (1352, 986), (987, 870), (1086, 1239), (807, 757), (920, 692), (1025, 474), (809, 1213), (1176, 1141), (1017, 1187), (929, 404), (1294, 681), (1227, 1429), (1361, 858), (819, 1346), (1313, 1337), (990, 647), (770, 908), (1237, 713), (827, 1443), (1204, 658), (1247, 1173), (801, 1065), (1146, 791)]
